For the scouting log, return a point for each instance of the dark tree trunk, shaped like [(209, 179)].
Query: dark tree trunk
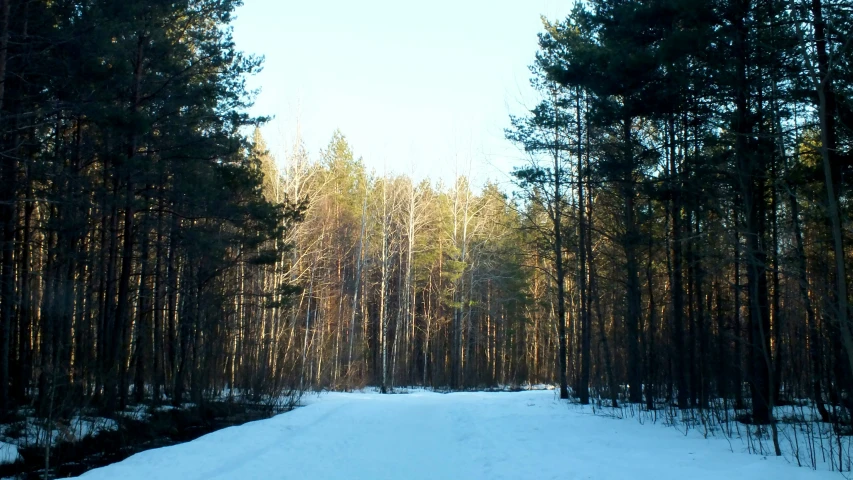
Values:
[(633, 293), (8, 188), (679, 361)]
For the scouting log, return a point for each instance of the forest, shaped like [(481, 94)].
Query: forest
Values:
[(677, 237)]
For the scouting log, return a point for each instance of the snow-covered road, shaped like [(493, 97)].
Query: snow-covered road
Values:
[(526, 435)]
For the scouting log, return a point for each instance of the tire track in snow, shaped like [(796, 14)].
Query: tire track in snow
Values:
[(288, 434)]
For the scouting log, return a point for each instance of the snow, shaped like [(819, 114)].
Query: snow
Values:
[(424, 435), (136, 412), (81, 427), (33, 431), (8, 453)]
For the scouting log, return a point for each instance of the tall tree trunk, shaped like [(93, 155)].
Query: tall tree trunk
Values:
[(559, 267), (677, 291), (8, 187), (832, 174), (143, 322), (633, 294), (586, 334), (814, 340)]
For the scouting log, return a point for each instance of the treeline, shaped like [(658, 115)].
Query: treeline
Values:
[(405, 283), (691, 162), (141, 260)]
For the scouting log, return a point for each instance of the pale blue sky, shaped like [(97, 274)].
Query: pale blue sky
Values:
[(416, 87)]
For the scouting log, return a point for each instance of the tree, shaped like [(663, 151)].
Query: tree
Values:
[(544, 131)]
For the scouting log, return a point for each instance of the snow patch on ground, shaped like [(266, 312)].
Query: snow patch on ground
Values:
[(8, 453), (34, 431), (425, 435), (803, 439)]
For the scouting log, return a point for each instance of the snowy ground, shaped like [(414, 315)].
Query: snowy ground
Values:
[(30, 431), (423, 435)]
